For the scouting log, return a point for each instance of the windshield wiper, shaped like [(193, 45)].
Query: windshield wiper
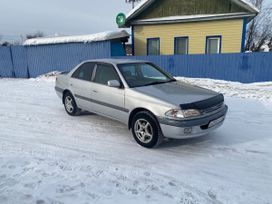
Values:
[(159, 82), (154, 83), (171, 80)]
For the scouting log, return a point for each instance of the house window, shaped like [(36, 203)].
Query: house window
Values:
[(153, 46), (213, 44), (181, 45)]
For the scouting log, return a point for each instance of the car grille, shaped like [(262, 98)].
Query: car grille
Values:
[(212, 109)]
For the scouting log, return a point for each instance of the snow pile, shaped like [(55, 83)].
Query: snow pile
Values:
[(49, 77), (78, 38), (261, 91)]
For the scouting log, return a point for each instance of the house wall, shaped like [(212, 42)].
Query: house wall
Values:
[(230, 30), (164, 8)]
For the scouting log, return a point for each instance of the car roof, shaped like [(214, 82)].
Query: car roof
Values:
[(117, 61)]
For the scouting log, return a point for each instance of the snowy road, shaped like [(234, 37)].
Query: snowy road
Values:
[(47, 156)]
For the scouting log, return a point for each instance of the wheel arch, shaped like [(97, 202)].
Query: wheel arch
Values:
[(137, 110), (64, 93)]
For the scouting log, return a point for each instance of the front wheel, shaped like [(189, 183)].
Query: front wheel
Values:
[(146, 130), (70, 104)]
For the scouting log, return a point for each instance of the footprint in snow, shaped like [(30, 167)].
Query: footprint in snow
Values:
[(135, 183), (212, 194), (40, 202), (147, 174), (64, 189), (133, 191), (30, 185), (171, 183), (26, 163)]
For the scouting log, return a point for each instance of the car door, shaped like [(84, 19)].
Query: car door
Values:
[(109, 101), (80, 85)]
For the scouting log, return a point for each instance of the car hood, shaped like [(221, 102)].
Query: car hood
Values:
[(176, 93)]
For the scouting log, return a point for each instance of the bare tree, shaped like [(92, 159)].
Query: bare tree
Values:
[(259, 30), (1, 37), (38, 34), (3, 43), (132, 2), (6, 44)]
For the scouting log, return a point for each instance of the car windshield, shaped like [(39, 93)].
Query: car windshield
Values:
[(143, 74)]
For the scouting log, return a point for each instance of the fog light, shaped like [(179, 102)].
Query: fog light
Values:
[(187, 131)]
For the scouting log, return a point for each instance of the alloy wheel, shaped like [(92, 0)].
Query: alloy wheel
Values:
[(143, 130), (69, 104)]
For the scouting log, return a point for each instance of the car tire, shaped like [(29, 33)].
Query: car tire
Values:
[(146, 130), (70, 105)]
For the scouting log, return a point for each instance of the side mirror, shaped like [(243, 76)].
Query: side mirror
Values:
[(114, 83)]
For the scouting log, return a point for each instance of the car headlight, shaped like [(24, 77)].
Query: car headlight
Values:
[(180, 114)]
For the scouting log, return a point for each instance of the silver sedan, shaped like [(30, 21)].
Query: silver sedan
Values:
[(141, 95)]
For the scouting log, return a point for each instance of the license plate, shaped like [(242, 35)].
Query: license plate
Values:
[(215, 122)]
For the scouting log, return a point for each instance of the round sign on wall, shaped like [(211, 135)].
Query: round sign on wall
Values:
[(121, 19)]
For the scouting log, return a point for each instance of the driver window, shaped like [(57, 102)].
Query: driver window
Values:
[(105, 73)]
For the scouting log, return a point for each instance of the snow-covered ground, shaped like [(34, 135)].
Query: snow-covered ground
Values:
[(47, 156)]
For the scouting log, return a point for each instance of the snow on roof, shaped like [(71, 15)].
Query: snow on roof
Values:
[(137, 7), (188, 17), (78, 38), (248, 4), (145, 3)]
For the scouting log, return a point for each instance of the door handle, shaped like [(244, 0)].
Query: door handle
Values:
[(95, 91)]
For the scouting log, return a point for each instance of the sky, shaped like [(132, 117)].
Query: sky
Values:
[(20, 17), (63, 17)]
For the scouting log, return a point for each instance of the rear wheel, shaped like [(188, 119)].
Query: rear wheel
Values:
[(70, 104), (146, 130)]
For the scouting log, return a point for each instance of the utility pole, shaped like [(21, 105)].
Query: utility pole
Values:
[(132, 2)]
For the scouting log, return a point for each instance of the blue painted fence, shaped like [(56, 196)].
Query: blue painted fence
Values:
[(241, 67), (19, 61), (31, 61), (62, 57), (6, 65)]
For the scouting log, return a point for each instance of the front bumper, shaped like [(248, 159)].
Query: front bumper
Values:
[(194, 127)]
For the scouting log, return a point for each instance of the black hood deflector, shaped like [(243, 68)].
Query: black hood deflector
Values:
[(205, 104)]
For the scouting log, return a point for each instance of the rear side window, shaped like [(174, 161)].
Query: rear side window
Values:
[(105, 73), (84, 72)]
